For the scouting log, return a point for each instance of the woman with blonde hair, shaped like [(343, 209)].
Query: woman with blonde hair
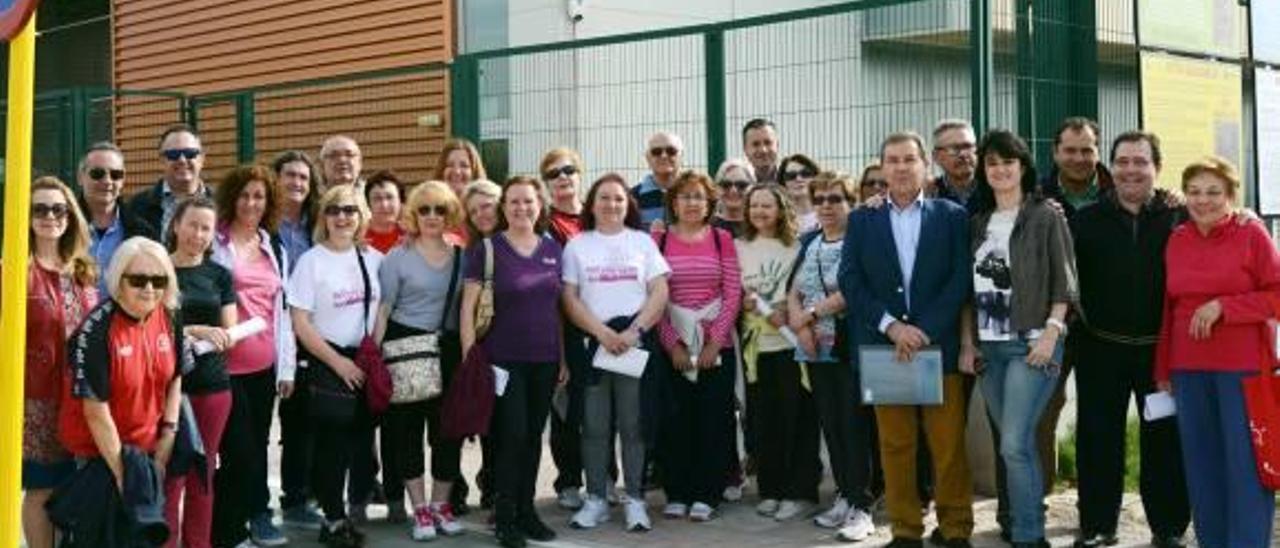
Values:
[(420, 293), (61, 280), (332, 297)]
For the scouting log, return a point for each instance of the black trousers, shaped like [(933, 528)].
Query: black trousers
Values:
[(297, 448), (785, 428), (519, 417), (365, 466), (241, 479), (847, 427), (696, 432), (1107, 374)]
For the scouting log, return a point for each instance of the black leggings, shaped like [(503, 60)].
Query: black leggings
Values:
[(241, 479), (519, 417)]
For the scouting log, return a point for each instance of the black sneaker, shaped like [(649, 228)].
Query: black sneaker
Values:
[(533, 528), (1168, 542), (937, 539), (341, 535), (899, 542), (510, 536), (1096, 540)]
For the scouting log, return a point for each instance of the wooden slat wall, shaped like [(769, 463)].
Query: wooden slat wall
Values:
[(207, 46)]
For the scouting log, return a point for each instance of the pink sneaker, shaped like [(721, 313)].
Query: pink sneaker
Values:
[(424, 526), (442, 514)]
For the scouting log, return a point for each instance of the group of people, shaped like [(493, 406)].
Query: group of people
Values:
[(658, 327)]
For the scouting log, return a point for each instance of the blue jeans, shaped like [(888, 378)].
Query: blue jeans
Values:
[(1228, 502), (1016, 396)]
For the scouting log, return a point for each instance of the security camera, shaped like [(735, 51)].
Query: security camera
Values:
[(574, 8)]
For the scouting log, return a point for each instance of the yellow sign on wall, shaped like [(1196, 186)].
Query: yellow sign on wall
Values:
[(1195, 108), (1195, 26)]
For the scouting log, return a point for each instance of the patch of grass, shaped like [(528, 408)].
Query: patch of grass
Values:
[(1067, 458)]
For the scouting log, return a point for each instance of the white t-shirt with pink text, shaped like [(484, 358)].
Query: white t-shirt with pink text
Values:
[(613, 271), (329, 285)]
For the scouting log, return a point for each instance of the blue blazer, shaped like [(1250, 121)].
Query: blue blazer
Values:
[(871, 279)]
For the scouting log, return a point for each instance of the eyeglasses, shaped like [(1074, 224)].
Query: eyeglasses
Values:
[(664, 151), (741, 186), (956, 150), (98, 173), (173, 154), (833, 199), (691, 197), (141, 281), (440, 210), (344, 210), (802, 174), (562, 171), (56, 211)]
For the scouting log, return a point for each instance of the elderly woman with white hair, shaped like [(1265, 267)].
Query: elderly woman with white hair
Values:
[(125, 387)]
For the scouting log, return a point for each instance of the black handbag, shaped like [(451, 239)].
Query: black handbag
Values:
[(329, 399)]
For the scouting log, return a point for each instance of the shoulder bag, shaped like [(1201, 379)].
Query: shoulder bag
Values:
[(414, 361)]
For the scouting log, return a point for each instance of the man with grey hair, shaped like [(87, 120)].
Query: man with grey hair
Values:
[(955, 150), (341, 159), (101, 178), (664, 154)]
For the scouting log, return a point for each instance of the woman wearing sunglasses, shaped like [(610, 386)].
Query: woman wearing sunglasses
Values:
[(420, 293), (208, 308), (733, 179), (795, 172), (816, 309), (123, 388), (333, 296), (261, 365), (61, 280)]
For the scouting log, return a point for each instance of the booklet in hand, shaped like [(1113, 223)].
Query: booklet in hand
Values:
[(887, 381), (630, 363)]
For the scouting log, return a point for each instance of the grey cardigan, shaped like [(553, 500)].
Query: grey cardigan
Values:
[(1042, 260)]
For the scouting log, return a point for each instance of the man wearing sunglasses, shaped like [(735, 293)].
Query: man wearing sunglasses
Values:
[(664, 155), (955, 150), (183, 158), (101, 178), (760, 144)]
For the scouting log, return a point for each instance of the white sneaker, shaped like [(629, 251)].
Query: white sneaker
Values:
[(637, 516), (594, 512), (569, 498), (857, 527), (701, 512), (767, 507), (733, 493), (675, 510), (789, 509), (835, 516)]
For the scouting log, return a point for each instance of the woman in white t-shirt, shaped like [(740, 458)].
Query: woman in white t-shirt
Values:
[(784, 422), (333, 298), (615, 291)]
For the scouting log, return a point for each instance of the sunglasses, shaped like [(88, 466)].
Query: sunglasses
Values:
[(793, 175), (741, 186), (439, 210), (99, 173), (562, 171), (664, 151), (875, 182), (833, 199), (56, 211), (141, 281), (346, 210), (173, 154)]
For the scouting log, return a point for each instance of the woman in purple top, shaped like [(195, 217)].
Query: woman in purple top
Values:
[(524, 341)]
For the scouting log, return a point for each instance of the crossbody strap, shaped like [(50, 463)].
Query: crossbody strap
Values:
[(368, 289), (453, 284)]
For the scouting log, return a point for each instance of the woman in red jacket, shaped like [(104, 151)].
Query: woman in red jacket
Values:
[(1220, 275), (61, 290)]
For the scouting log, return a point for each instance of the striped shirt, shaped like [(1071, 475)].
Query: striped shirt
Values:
[(702, 272)]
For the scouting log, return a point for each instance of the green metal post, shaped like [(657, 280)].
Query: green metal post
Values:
[(980, 61), (191, 111), (1082, 26), (246, 147), (79, 127), (464, 103), (716, 111), (1026, 62)]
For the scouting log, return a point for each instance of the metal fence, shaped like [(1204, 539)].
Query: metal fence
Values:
[(835, 79)]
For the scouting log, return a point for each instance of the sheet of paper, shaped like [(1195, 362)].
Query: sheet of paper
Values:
[(237, 332), (630, 363), (500, 377), (1158, 405), (886, 381)]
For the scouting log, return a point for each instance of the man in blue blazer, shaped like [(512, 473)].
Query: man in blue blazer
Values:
[(905, 271)]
